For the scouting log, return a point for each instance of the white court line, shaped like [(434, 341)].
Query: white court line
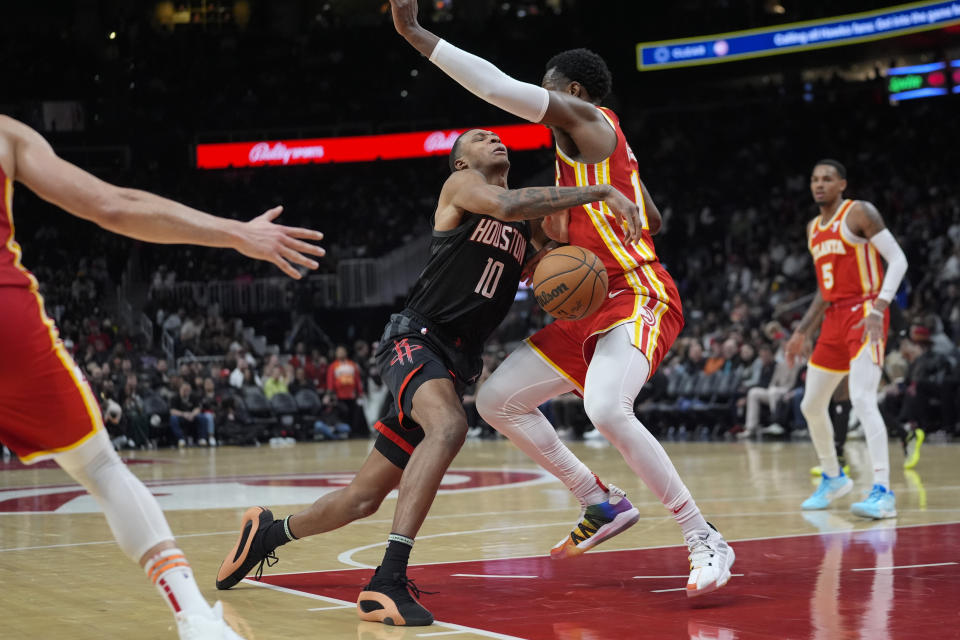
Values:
[(347, 556), (439, 633), (906, 566), (666, 590), (96, 542), (458, 627), (336, 606), (478, 575)]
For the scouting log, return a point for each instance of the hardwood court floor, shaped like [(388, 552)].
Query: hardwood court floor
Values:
[(823, 575)]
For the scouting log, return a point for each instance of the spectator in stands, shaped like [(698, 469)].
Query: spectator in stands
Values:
[(694, 360), (159, 376), (186, 410), (300, 381), (331, 424), (276, 382), (344, 379), (782, 380), (316, 369), (927, 398), (244, 375)]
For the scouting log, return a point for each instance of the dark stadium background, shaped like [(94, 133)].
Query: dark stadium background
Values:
[(725, 150)]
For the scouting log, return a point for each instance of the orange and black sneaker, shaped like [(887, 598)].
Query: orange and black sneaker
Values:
[(249, 549), (393, 601)]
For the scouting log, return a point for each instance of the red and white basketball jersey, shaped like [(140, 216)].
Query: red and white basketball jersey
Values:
[(12, 273), (634, 267), (847, 266)]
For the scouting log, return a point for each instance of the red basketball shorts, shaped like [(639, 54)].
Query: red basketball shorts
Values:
[(568, 345), (46, 405), (840, 342)]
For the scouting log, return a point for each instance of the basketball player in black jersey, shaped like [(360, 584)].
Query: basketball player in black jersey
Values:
[(428, 353)]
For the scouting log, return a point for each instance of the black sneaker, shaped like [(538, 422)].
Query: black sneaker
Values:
[(249, 549), (393, 601)]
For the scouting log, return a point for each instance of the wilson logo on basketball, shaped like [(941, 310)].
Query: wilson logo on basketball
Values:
[(547, 296)]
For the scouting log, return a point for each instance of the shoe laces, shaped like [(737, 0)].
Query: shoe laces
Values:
[(876, 493), (615, 494), (269, 559), (701, 551)]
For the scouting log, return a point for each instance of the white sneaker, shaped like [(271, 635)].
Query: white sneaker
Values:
[(710, 561), (213, 441), (202, 442), (206, 627)]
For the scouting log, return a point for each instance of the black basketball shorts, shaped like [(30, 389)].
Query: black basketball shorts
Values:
[(408, 359)]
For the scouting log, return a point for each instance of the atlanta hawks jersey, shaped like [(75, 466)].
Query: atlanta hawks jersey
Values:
[(631, 267), (847, 266), (12, 273), (471, 278)]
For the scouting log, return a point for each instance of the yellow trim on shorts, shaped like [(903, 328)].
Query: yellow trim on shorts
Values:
[(827, 369), (554, 365)]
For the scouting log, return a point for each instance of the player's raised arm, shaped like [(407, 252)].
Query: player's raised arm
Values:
[(145, 216), (594, 137), (467, 190)]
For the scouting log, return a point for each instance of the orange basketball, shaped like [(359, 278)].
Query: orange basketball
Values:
[(570, 283)]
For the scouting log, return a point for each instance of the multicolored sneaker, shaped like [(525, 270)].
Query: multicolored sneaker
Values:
[(393, 600), (911, 447), (881, 503), (829, 490), (248, 550), (711, 559), (597, 523)]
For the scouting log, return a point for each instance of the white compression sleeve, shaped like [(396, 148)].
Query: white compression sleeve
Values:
[(888, 247), (486, 81), (132, 512)]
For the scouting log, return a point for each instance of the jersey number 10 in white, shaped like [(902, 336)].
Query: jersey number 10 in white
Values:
[(490, 278)]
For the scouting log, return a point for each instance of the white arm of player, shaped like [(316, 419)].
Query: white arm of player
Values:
[(486, 81), (887, 245)]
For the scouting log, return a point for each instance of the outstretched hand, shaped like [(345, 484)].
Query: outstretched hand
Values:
[(263, 239), (404, 15), (627, 214)]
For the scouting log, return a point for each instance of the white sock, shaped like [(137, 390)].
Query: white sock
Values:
[(171, 574)]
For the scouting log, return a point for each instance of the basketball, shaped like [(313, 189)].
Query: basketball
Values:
[(570, 283)]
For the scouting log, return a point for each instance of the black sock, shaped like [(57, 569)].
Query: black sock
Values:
[(275, 534), (396, 557)]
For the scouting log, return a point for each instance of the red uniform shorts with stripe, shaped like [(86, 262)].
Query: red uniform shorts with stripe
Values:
[(46, 405), (568, 345), (840, 342)]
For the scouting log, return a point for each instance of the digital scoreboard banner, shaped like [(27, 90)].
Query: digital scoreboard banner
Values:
[(923, 81), (395, 146), (798, 36)]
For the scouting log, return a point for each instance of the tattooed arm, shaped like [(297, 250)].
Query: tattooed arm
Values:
[(468, 191)]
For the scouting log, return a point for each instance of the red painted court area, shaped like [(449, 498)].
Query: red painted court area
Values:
[(864, 584)]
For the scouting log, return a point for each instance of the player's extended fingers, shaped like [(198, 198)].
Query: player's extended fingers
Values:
[(303, 247), (297, 258), (305, 234), (286, 267)]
